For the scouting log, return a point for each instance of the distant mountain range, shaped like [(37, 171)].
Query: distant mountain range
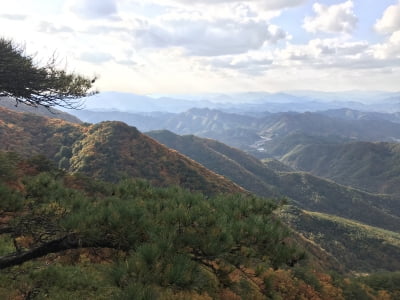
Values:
[(299, 101), (258, 132), (350, 114)]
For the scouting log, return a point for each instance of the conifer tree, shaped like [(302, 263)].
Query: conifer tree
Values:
[(24, 80)]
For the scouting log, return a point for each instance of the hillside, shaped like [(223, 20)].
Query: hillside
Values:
[(64, 236), (316, 194), (282, 145), (109, 151), (307, 191), (234, 164), (320, 125), (91, 240), (373, 167), (276, 165), (359, 247), (233, 129), (351, 114)]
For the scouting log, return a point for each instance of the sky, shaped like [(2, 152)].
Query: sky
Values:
[(214, 46)]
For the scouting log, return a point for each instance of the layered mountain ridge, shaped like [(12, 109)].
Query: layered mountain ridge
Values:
[(113, 151)]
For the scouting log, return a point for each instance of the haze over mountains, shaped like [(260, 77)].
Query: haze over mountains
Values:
[(51, 113), (300, 101)]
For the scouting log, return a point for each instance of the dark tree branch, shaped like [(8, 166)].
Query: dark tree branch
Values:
[(71, 241), (22, 79), (5, 230)]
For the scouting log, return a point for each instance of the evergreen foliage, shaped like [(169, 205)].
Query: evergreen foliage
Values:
[(170, 239), (23, 79)]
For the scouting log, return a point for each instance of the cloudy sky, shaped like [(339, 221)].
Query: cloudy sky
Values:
[(189, 46)]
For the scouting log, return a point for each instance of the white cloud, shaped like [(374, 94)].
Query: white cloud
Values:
[(338, 18), (338, 54), (280, 4), (390, 49), (47, 27), (265, 4), (96, 57), (204, 37), (252, 64), (14, 17), (321, 54), (390, 20), (338, 47), (317, 54), (93, 9)]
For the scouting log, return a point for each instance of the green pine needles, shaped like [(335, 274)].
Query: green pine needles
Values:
[(164, 240)]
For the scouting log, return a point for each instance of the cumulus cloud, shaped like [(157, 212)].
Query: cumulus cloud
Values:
[(209, 37), (336, 53), (338, 47), (317, 54), (93, 9), (390, 20), (390, 49), (338, 18)]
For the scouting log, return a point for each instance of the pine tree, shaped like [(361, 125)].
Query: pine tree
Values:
[(24, 80)]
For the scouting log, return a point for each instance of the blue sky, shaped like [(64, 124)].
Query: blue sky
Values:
[(192, 46)]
